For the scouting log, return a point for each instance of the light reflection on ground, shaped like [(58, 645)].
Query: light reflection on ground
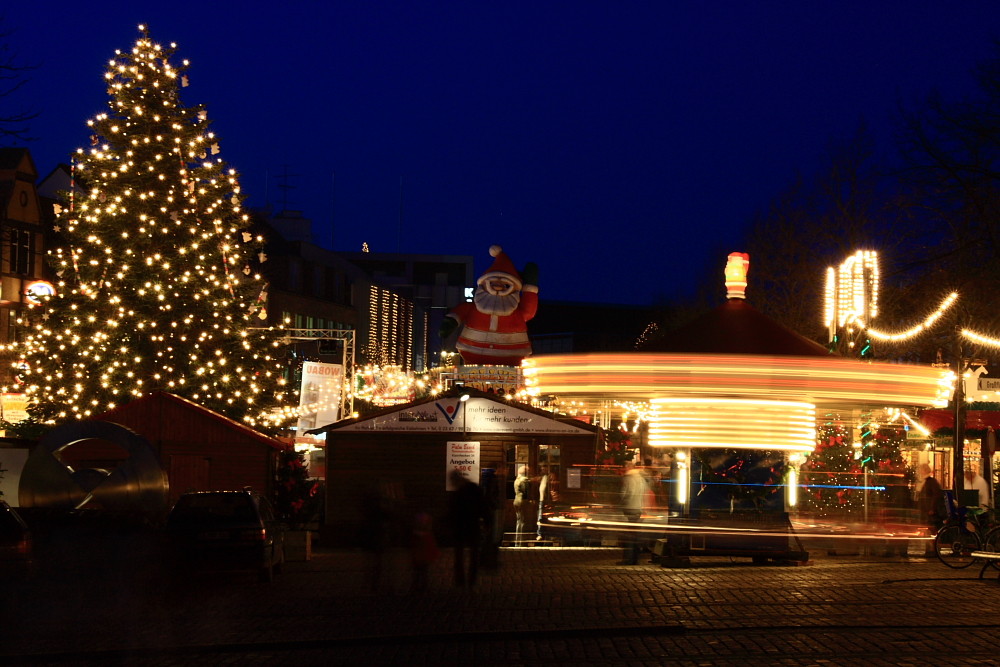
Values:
[(596, 522)]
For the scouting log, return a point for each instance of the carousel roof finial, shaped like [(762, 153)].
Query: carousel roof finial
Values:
[(736, 275)]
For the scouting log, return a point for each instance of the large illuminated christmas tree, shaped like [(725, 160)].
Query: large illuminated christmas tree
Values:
[(157, 285)]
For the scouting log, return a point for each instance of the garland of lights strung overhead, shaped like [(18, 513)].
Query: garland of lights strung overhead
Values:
[(851, 298)]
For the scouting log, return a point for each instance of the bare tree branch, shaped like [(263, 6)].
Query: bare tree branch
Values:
[(15, 126)]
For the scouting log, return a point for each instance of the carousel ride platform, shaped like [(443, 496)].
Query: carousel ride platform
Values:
[(761, 536)]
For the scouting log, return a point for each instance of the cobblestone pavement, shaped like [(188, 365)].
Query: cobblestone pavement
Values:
[(552, 606)]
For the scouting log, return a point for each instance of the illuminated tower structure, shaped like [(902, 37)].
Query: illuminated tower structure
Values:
[(851, 301)]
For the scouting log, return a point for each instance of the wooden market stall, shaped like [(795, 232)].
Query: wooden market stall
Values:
[(401, 456)]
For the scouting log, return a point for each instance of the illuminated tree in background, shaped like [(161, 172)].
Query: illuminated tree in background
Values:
[(832, 471), (836, 472), (157, 288)]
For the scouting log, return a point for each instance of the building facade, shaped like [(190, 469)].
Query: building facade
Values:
[(315, 289), (432, 283), (24, 218)]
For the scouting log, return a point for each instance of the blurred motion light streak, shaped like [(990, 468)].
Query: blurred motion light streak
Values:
[(818, 380), (733, 423)]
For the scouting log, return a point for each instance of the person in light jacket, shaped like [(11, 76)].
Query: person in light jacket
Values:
[(522, 484), (634, 488)]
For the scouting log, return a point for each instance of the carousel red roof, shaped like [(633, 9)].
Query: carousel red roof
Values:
[(736, 327)]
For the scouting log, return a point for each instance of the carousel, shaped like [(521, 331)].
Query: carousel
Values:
[(732, 381)]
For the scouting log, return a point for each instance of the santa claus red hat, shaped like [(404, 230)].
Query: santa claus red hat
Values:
[(502, 267)]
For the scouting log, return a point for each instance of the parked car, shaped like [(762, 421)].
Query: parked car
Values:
[(16, 542), (216, 531)]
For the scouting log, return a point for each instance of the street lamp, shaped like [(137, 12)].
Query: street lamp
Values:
[(462, 399)]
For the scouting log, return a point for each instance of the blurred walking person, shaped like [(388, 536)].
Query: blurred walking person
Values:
[(466, 516), (634, 488), (423, 551), (522, 485), (975, 482), (930, 505), (544, 499), (379, 530), (493, 496)]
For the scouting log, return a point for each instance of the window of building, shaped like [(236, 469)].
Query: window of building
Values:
[(318, 288), (21, 251)]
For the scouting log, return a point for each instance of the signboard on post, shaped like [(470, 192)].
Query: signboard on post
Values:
[(464, 457), (320, 394), (13, 407)]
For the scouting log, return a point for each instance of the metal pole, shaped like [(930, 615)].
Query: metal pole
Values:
[(958, 455), (866, 494)]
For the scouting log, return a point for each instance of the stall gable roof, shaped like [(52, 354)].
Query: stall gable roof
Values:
[(157, 410), (481, 413)]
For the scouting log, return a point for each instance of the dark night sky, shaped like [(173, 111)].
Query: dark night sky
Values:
[(622, 146)]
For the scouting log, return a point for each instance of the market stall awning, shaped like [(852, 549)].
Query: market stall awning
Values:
[(975, 420)]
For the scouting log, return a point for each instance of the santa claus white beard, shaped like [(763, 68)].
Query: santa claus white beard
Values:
[(494, 304)]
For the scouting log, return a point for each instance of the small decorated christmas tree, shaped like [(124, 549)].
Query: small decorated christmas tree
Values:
[(296, 497), (157, 283), (832, 472)]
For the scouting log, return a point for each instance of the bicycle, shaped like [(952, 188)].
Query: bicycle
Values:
[(991, 542), (966, 529)]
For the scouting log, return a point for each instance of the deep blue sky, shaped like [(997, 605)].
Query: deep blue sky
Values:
[(622, 146)]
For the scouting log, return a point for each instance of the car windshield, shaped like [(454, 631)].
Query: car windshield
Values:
[(213, 508)]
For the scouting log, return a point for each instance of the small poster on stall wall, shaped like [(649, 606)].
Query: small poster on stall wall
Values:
[(464, 457)]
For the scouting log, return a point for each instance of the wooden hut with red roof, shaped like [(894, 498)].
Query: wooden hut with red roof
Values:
[(199, 449)]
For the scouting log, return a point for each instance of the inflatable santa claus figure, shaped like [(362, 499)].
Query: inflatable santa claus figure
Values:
[(494, 326)]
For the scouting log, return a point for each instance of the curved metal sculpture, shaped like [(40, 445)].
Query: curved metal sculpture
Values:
[(137, 484)]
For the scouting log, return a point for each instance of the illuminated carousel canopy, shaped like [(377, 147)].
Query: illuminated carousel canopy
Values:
[(733, 366)]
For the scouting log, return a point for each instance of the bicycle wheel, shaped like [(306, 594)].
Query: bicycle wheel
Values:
[(991, 542), (953, 546)]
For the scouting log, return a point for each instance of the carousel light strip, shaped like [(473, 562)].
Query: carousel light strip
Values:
[(813, 379), (733, 424), (946, 303)]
